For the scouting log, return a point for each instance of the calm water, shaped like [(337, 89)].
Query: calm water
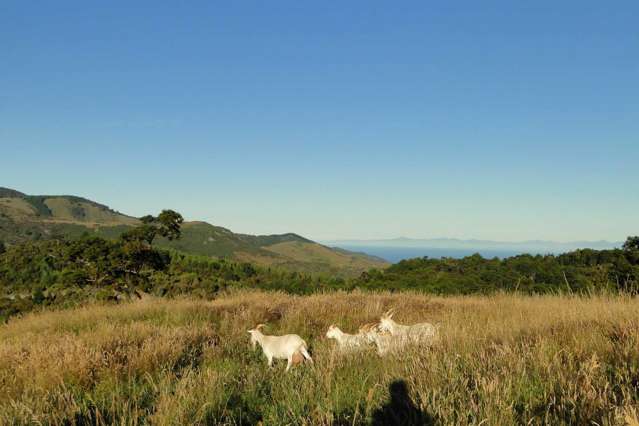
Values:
[(395, 254)]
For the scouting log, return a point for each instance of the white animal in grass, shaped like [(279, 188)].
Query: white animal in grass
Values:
[(385, 342), (347, 342), (286, 347), (416, 333)]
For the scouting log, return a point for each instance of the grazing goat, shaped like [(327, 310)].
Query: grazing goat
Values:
[(385, 343), (416, 333), (279, 347), (347, 342)]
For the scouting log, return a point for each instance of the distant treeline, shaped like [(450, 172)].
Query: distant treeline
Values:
[(68, 272), (580, 271)]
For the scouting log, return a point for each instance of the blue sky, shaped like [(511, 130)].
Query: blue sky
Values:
[(357, 119)]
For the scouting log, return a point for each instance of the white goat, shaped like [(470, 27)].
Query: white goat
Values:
[(286, 347), (347, 342), (416, 333), (385, 343)]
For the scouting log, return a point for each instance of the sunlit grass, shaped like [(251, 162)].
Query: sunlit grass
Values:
[(503, 359)]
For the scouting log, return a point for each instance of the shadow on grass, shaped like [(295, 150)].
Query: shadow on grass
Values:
[(400, 409)]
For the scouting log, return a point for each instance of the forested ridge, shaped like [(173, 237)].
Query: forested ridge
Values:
[(26, 218), (65, 272)]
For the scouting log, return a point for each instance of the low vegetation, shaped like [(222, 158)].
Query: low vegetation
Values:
[(500, 359), (67, 273)]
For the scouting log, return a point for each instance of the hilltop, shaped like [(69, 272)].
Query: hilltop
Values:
[(34, 217)]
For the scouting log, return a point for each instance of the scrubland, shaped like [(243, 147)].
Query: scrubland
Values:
[(500, 359)]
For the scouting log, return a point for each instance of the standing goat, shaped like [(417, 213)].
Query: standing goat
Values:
[(416, 333), (286, 347), (347, 342), (385, 343)]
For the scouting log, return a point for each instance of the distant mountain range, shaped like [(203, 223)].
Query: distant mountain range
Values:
[(31, 217), (532, 246)]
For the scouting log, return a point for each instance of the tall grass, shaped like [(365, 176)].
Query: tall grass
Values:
[(503, 359)]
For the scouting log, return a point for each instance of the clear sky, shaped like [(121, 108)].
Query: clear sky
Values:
[(503, 120)]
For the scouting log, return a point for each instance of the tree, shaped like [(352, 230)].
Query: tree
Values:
[(167, 224), (632, 243), (139, 258), (2, 247)]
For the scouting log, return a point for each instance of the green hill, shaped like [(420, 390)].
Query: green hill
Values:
[(33, 217)]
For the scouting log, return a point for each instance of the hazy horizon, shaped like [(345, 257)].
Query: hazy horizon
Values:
[(418, 239), (495, 120)]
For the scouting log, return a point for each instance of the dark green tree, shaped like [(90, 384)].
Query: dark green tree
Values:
[(632, 243), (167, 224), (2, 247)]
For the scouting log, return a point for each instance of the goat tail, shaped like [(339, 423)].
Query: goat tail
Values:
[(305, 353)]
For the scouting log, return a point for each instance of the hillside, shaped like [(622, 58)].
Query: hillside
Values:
[(27, 217)]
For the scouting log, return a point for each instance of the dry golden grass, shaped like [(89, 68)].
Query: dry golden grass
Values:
[(62, 211), (16, 207), (313, 252), (503, 359), (313, 258)]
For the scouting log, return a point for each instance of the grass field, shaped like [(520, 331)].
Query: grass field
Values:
[(501, 360)]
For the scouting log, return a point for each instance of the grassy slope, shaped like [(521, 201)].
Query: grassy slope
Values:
[(289, 251), (505, 359), (209, 240), (77, 210), (329, 259), (25, 217), (17, 208), (59, 209)]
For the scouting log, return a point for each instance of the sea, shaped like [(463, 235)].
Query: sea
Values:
[(395, 254)]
